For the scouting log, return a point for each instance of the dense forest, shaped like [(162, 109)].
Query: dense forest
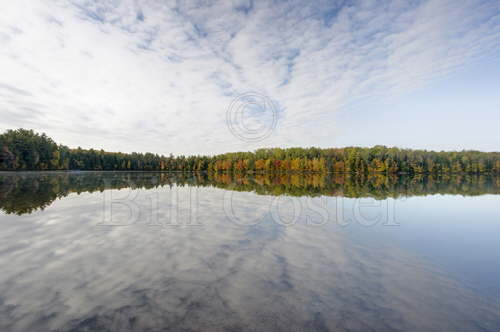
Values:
[(29, 192), (23, 149)]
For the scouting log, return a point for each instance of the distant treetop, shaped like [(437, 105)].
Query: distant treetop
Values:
[(23, 149)]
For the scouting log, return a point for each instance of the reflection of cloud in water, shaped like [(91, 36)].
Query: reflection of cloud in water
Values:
[(61, 272)]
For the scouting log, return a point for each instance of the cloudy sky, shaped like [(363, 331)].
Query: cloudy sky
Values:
[(203, 77)]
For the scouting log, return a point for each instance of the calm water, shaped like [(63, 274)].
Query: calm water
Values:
[(170, 252)]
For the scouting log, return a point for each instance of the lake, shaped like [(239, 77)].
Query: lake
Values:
[(122, 251)]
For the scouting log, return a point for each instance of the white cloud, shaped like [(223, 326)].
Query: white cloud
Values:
[(158, 76)]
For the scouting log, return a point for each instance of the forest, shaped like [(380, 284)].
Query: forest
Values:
[(23, 149)]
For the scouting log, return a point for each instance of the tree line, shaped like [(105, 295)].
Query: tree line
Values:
[(23, 149)]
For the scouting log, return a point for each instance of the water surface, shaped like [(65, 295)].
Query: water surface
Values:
[(95, 251)]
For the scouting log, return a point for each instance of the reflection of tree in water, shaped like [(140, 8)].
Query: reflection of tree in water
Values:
[(377, 186), (22, 193), (27, 192)]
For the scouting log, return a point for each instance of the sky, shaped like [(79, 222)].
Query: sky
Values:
[(206, 77)]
